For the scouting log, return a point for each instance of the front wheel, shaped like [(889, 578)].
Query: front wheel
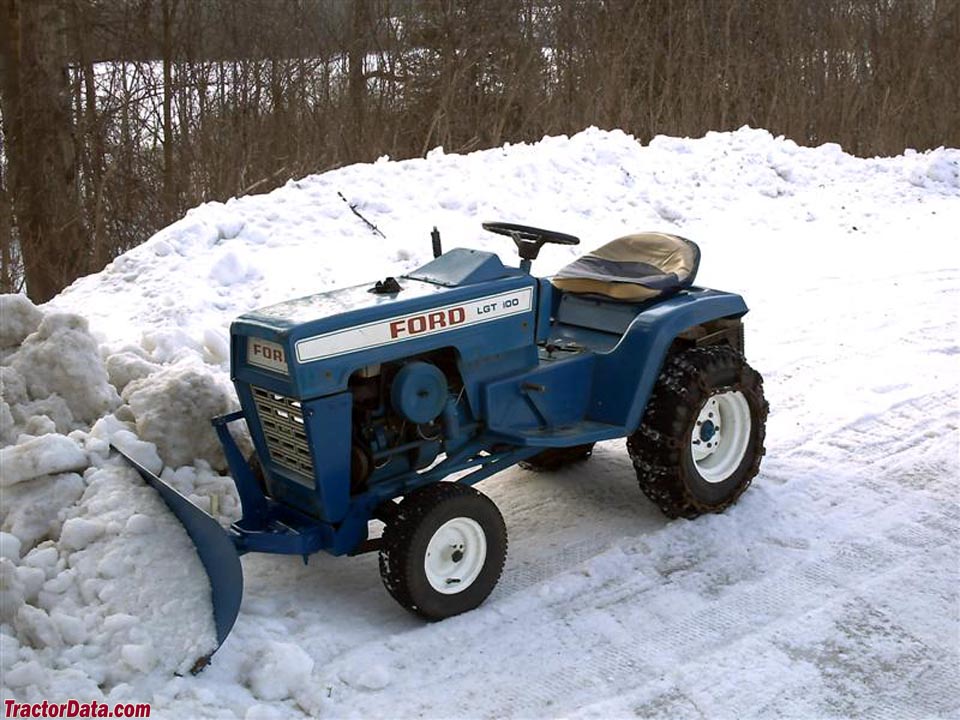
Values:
[(443, 551), (701, 440)]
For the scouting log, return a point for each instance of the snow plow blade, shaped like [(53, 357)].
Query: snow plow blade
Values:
[(215, 548)]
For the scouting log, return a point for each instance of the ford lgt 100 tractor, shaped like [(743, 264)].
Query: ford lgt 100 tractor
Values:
[(362, 401)]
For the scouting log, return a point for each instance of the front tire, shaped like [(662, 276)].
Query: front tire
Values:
[(701, 440), (443, 551)]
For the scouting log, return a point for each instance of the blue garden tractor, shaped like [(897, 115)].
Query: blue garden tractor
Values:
[(363, 403)]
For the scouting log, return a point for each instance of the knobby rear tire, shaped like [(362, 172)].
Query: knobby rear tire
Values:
[(664, 448)]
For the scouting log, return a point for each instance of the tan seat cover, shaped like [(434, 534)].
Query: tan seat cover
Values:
[(634, 267)]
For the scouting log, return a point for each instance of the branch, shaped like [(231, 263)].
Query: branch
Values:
[(353, 209)]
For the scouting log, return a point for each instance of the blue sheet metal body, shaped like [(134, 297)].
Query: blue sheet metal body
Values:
[(558, 370), (539, 368)]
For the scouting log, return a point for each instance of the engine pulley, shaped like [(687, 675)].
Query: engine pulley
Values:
[(419, 392)]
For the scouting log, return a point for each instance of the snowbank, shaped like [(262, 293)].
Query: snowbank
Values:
[(100, 584), (20, 318), (172, 408), (119, 592), (831, 589), (44, 455)]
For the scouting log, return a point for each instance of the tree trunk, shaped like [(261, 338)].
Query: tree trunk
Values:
[(9, 108), (89, 137), (7, 273), (357, 79), (169, 185), (42, 173)]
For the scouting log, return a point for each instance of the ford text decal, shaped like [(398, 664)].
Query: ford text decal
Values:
[(266, 355), (415, 325)]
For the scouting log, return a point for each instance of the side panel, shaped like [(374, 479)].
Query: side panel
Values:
[(407, 327), (624, 377), (554, 395), (328, 422), (544, 309), (487, 327)]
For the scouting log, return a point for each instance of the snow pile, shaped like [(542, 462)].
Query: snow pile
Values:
[(126, 366), (118, 593), (61, 360), (173, 407), (44, 455), (176, 294), (20, 318), (829, 590), (52, 374), (940, 169), (278, 671), (99, 582)]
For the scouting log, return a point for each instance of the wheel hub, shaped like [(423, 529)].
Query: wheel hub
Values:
[(455, 555), (721, 435), (707, 431)]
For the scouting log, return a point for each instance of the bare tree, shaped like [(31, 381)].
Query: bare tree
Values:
[(118, 114), (41, 161)]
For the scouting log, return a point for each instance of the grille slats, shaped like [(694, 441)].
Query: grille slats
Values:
[(282, 421)]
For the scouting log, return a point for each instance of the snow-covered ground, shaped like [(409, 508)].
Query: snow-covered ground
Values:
[(830, 589)]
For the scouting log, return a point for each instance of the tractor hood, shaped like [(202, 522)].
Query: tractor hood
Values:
[(337, 308), (318, 340)]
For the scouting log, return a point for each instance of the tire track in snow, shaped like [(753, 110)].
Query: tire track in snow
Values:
[(906, 426), (638, 647), (833, 358), (746, 611), (544, 514)]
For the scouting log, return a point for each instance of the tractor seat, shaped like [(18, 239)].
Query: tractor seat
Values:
[(633, 268)]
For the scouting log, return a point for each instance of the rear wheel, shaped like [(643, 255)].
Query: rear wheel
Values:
[(557, 458), (701, 439), (443, 551)]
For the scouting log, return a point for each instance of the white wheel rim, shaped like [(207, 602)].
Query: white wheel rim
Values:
[(720, 436), (455, 555)]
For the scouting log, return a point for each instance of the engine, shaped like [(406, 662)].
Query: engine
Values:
[(404, 415)]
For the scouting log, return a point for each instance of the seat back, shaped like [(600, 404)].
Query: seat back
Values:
[(633, 268)]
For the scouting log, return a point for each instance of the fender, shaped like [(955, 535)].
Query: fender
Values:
[(636, 360)]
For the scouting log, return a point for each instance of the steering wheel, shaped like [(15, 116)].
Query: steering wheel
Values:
[(529, 240)]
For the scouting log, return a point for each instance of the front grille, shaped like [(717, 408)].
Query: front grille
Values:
[(282, 421)]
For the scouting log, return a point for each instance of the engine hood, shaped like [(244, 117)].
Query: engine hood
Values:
[(458, 268), (343, 304), (454, 301)]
